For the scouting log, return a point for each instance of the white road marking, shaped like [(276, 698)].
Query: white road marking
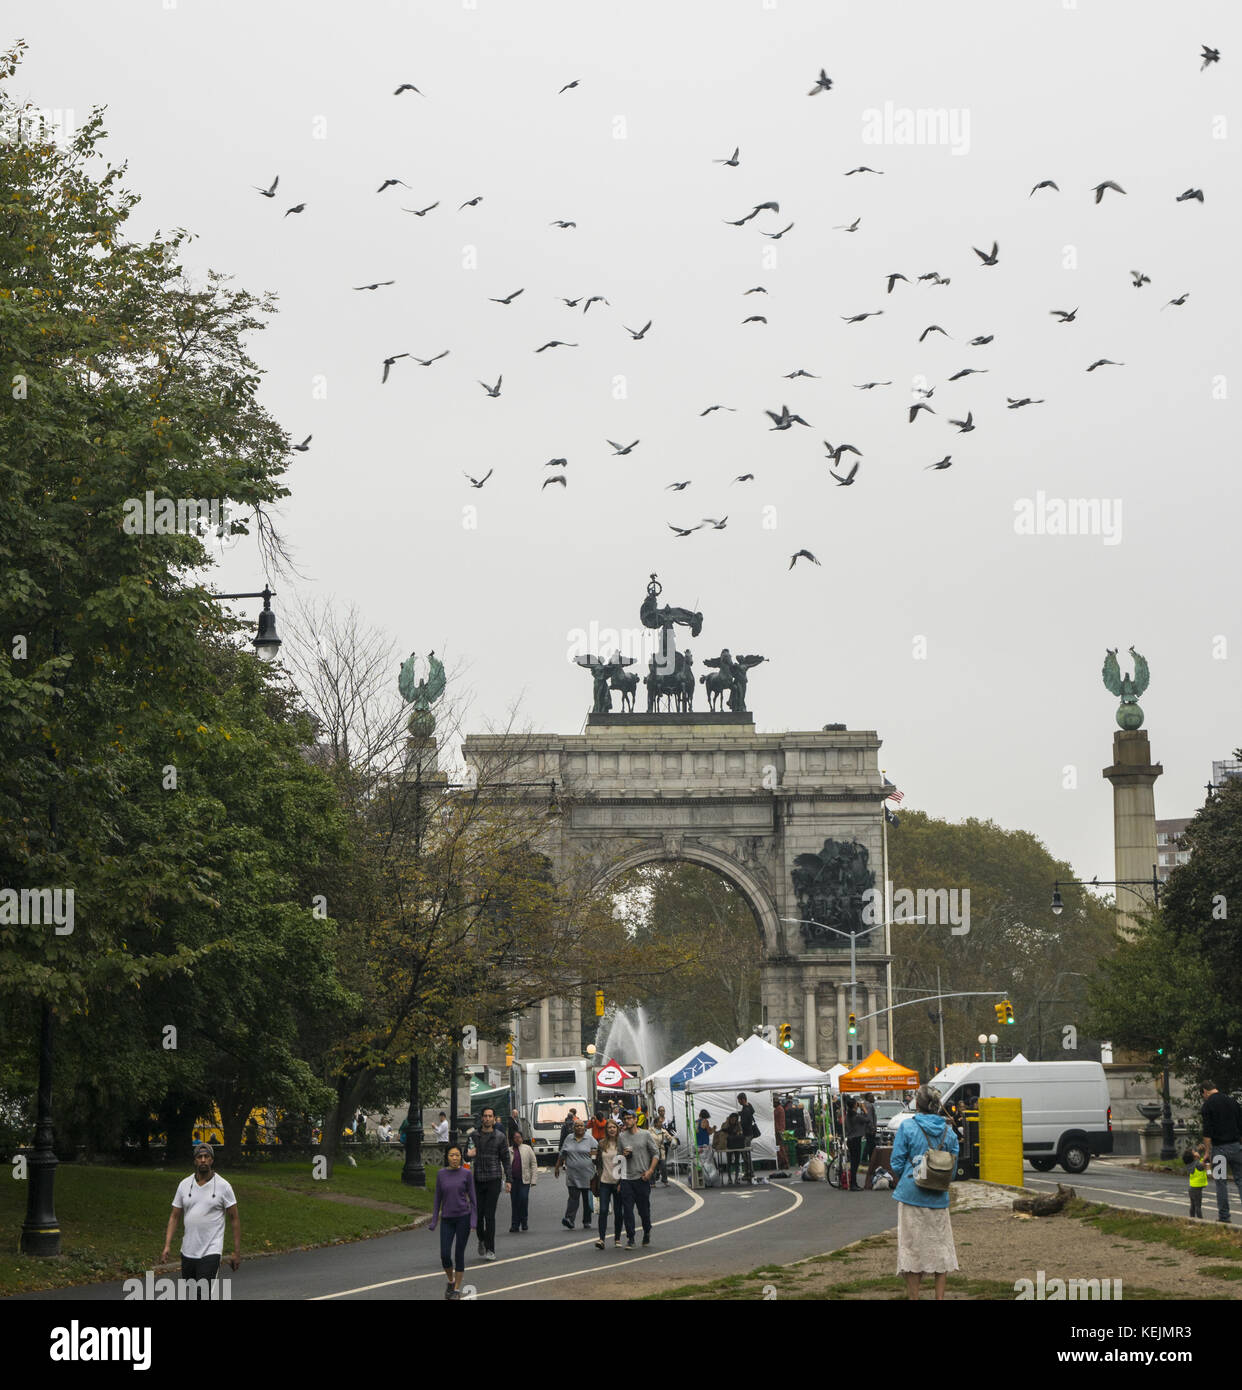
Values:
[(1112, 1191), (695, 1203), (655, 1254)]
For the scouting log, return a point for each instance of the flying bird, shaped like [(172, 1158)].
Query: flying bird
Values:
[(965, 426), (1209, 55), (969, 371), (784, 420), (569, 86), (1140, 279), (1181, 299), (555, 478), (714, 524), (556, 342), (755, 289), (790, 376), (422, 212), (376, 285), (858, 318), (267, 192), (849, 477), (573, 303), (427, 361), (914, 410), (678, 487), (492, 391), (594, 299), (710, 408), (945, 462), (767, 207), (853, 226), (871, 385), (935, 277), (863, 169), (621, 448), (508, 299), (478, 482), (683, 531), (641, 333), (743, 478), (1043, 183), (776, 236), (982, 342), (1016, 403), (1190, 193), (932, 328), (823, 83), (557, 463), (755, 318), (988, 258), (301, 207), (388, 183), (732, 161), (407, 87), (841, 449), (801, 555), (471, 202), (304, 445), (893, 278), (1065, 315), (388, 363), (562, 225), (1108, 183), (1104, 362)]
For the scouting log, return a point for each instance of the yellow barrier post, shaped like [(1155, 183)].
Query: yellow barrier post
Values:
[(1000, 1141)]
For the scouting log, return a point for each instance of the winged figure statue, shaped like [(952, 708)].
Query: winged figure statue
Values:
[(1129, 713), (421, 694)]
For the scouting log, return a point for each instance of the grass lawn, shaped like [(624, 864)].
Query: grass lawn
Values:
[(112, 1219), (1211, 1238)]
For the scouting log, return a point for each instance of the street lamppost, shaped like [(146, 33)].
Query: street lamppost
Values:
[(41, 1230), (853, 936), (1168, 1149)]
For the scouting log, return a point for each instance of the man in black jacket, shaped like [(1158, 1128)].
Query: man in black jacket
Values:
[(1222, 1135), (489, 1155)]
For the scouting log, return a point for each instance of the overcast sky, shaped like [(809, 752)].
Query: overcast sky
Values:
[(207, 100)]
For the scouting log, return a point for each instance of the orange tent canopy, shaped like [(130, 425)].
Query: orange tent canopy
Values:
[(878, 1073)]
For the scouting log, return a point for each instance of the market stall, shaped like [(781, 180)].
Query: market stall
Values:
[(876, 1073)]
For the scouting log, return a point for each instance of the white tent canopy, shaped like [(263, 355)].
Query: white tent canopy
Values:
[(658, 1084), (758, 1066), (835, 1074)]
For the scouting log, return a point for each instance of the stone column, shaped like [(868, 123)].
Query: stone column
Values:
[(810, 1024), (843, 1054), (545, 1027), (873, 1036), (1133, 775)]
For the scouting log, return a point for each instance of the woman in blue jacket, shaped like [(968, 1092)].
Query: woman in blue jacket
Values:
[(924, 1235)]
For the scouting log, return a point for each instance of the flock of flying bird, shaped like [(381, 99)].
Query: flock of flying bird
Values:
[(783, 419)]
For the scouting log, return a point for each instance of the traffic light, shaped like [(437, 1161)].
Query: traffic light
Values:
[(599, 1003), (509, 1051), (999, 1011), (1008, 1008), (853, 1028), (787, 1037)]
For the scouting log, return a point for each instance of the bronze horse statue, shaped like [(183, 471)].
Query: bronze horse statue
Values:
[(677, 685)]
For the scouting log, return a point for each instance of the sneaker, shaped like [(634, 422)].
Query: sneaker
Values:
[(482, 1249), (491, 1255), (646, 1237), (513, 1230), (568, 1225), (599, 1245), (616, 1242), (449, 1292), (453, 1294), (586, 1225), (525, 1228), (629, 1245)]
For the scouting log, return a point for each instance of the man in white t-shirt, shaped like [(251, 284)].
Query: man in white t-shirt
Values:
[(442, 1138), (203, 1201)]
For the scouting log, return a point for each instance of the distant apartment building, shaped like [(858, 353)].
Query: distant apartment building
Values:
[(1226, 768), (1169, 849)]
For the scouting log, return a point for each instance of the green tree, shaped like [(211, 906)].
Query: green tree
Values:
[(1015, 944), (1173, 982)]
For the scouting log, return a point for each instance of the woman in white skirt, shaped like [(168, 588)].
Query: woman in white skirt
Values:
[(924, 1235)]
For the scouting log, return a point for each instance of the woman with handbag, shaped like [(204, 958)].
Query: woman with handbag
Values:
[(924, 1161)]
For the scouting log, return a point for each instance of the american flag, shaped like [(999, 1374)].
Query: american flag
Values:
[(894, 795)]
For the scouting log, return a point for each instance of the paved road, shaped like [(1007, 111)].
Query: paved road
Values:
[(696, 1236), (1110, 1180)]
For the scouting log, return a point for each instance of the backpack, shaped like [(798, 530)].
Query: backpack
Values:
[(934, 1169)]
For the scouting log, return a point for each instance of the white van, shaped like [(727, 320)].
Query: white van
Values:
[(1066, 1117)]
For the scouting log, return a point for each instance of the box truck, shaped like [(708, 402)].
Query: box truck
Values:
[(544, 1092)]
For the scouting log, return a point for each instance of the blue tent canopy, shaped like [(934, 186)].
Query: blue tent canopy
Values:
[(695, 1067)]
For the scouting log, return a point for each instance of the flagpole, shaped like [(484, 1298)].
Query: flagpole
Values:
[(888, 935)]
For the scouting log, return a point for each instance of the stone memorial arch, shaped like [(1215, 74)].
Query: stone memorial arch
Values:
[(794, 820)]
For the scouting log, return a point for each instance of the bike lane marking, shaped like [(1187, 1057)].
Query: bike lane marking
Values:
[(695, 1203), (655, 1254)]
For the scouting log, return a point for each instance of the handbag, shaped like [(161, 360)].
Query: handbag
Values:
[(933, 1171), (595, 1185)]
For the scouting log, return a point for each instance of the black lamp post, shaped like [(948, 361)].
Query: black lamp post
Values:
[(266, 642), (413, 1174)]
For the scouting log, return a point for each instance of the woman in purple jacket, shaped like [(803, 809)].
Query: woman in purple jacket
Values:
[(457, 1215)]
